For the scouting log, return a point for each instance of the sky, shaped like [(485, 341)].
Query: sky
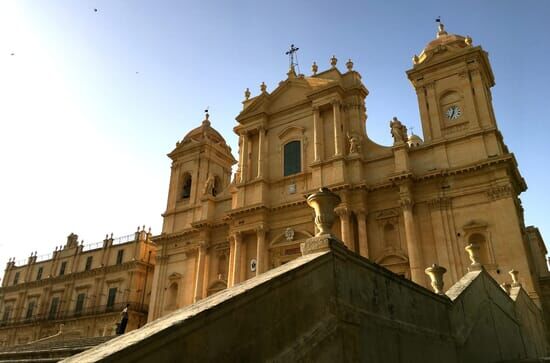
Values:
[(92, 101)]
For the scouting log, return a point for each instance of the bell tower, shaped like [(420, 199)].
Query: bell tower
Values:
[(201, 173), (453, 81)]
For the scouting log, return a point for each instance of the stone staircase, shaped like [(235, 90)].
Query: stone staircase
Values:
[(47, 351)]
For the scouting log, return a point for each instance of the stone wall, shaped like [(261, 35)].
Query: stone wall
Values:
[(336, 306)]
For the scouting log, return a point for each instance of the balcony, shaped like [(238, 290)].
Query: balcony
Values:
[(75, 314)]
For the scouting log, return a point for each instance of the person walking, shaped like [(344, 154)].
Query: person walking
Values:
[(121, 328)]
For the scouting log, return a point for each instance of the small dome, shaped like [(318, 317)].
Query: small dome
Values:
[(203, 132), (444, 41), (414, 140)]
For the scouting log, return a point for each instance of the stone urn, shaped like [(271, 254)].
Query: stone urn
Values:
[(435, 272), (473, 254), (323, 203)]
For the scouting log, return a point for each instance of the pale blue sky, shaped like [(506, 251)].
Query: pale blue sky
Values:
[(85, 137)]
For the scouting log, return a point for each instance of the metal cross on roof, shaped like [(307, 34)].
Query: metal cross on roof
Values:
[(290, 54)]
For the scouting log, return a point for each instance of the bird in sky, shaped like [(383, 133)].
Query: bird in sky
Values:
[(95, 10)]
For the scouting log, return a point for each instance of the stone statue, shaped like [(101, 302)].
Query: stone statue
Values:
[(398, 131), (209, 185), (354, 144)]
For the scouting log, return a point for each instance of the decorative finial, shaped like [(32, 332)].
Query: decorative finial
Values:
[(323, 202), (440, 28), (515, 281), (468, 40), (246, 94), (206, 117), (333, 61), (415, 59), (349, 65), (436, 276), (473, 254), (263, 87), (506, 287), (111, 235), (314, 68)]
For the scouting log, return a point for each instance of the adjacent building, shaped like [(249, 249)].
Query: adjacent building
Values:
[(82, 287)]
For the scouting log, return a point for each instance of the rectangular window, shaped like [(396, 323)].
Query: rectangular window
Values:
[(292, 158), (88, 263), (16, 278), (39, 273), (119, 256), (30, 309), (79, 303), (53, 308), (7, 312), (63, 267), (111, 297)]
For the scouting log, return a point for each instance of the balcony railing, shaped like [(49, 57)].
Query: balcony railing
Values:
[(71, 314)]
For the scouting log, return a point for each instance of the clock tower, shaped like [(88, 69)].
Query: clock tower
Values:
[(453, 81)]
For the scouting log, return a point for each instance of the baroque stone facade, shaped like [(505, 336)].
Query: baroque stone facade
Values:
[(78, 290), (406, 207)]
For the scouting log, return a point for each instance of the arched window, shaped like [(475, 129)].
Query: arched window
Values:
[(186, 188), (292, 158)]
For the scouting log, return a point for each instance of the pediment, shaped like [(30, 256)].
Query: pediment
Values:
[(474, 225), (175, 276), (290, 130), (287, 94), (392, 258)]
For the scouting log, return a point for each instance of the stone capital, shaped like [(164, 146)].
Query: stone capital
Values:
[(406, 203), (342, 211)]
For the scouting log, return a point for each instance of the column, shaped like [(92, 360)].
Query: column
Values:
[(415, 254), (244, 158), (237, 257), (199, 275), (317, 135), (337, 129), (231, 261), (344, 213), (261, 251), (361, 214), (206, 277), (261, 142)]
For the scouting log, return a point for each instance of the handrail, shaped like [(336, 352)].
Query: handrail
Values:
[(124, 239)]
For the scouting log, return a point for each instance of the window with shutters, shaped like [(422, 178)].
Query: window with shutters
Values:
[(7, 313), (88, 266), (79, 303), (119, 256), (63, 267), (30, 309), (16, 278), (292, 158), (111, 297), (53, 308)]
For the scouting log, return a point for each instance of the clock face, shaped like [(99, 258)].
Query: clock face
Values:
[(453, 112)]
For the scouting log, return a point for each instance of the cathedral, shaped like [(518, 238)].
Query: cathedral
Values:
[(405, 207), (443, 203)]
